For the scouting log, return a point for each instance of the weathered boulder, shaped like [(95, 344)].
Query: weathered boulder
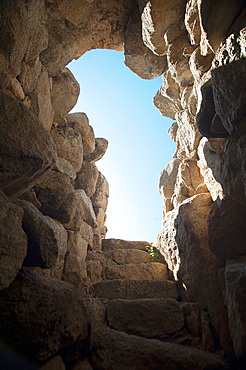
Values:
[(74, 271), (80, 123), (86, 232), (156, 19), (33, 300), (55, 363), (57, 196), (192, 22), (213, 186), (87, 178), (135, 289), (40, 99), (184, 243), (13, 241), (25, 154), (125, 256), (167, 178), (111, 348), (16, 88), (101, 145), (42, 247), (138, 57), (63, 166), (101, 194), (223, 241), (178, 54), (84, 212), (63, 43), (216, 19), (56, 271), (29, 75), (101, 24), (69, 145), (108, 244), (149, 317), (235, 280), (94, 272), (146, 271), (65, 92), (228, 70)]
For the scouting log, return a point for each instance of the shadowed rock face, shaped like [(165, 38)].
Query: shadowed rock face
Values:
[(54, 199)]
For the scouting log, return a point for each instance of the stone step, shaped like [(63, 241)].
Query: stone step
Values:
[(110, 244), (149, 317), (125, 256), (141, 271), (116, 350), (135, 289)]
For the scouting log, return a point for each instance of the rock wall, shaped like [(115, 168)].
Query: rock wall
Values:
[(53, 198)]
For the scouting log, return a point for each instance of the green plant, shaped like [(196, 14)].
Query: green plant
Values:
[(154, 254)]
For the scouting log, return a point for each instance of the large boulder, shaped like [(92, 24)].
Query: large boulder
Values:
[(135, 289), (101, 146), (57, 196), (27, 150), (13, 241), (146, 271), (74, 271), (42, 248), (33, 300), (87, 178), (108, 244), (111, 348), (225, 217), (125, 256), (80, 123), (184, 244), (69, 145), (65, 92), (157, 17), (149, 317), (138, 57)]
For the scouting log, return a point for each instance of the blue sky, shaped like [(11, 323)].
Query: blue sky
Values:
[(119, 106)]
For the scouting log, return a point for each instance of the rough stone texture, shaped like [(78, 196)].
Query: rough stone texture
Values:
[(25, 154), (55, 363), (40, 99), (65, 92), (213, 186), (101, 194), (33, 300), (101, 146), (63, 166), (147, 271), (83, 213), (60, 233), (184, 243), (108, 244), (13, 241), (138, 57), (223, 241), (86, 232), (125, 256), (216, 20), (235, 276), (149, 318), (135, 289), (80, 123), (87, 178), (56, 186), (69, 145), (74, 271), (42, 247), (116, 350), (156, 19), (94, 272), (167, 178)]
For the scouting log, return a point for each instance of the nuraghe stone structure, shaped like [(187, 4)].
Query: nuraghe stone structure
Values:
[(71, 299)]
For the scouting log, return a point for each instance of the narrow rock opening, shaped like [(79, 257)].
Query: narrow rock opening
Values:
[(119, 107)]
